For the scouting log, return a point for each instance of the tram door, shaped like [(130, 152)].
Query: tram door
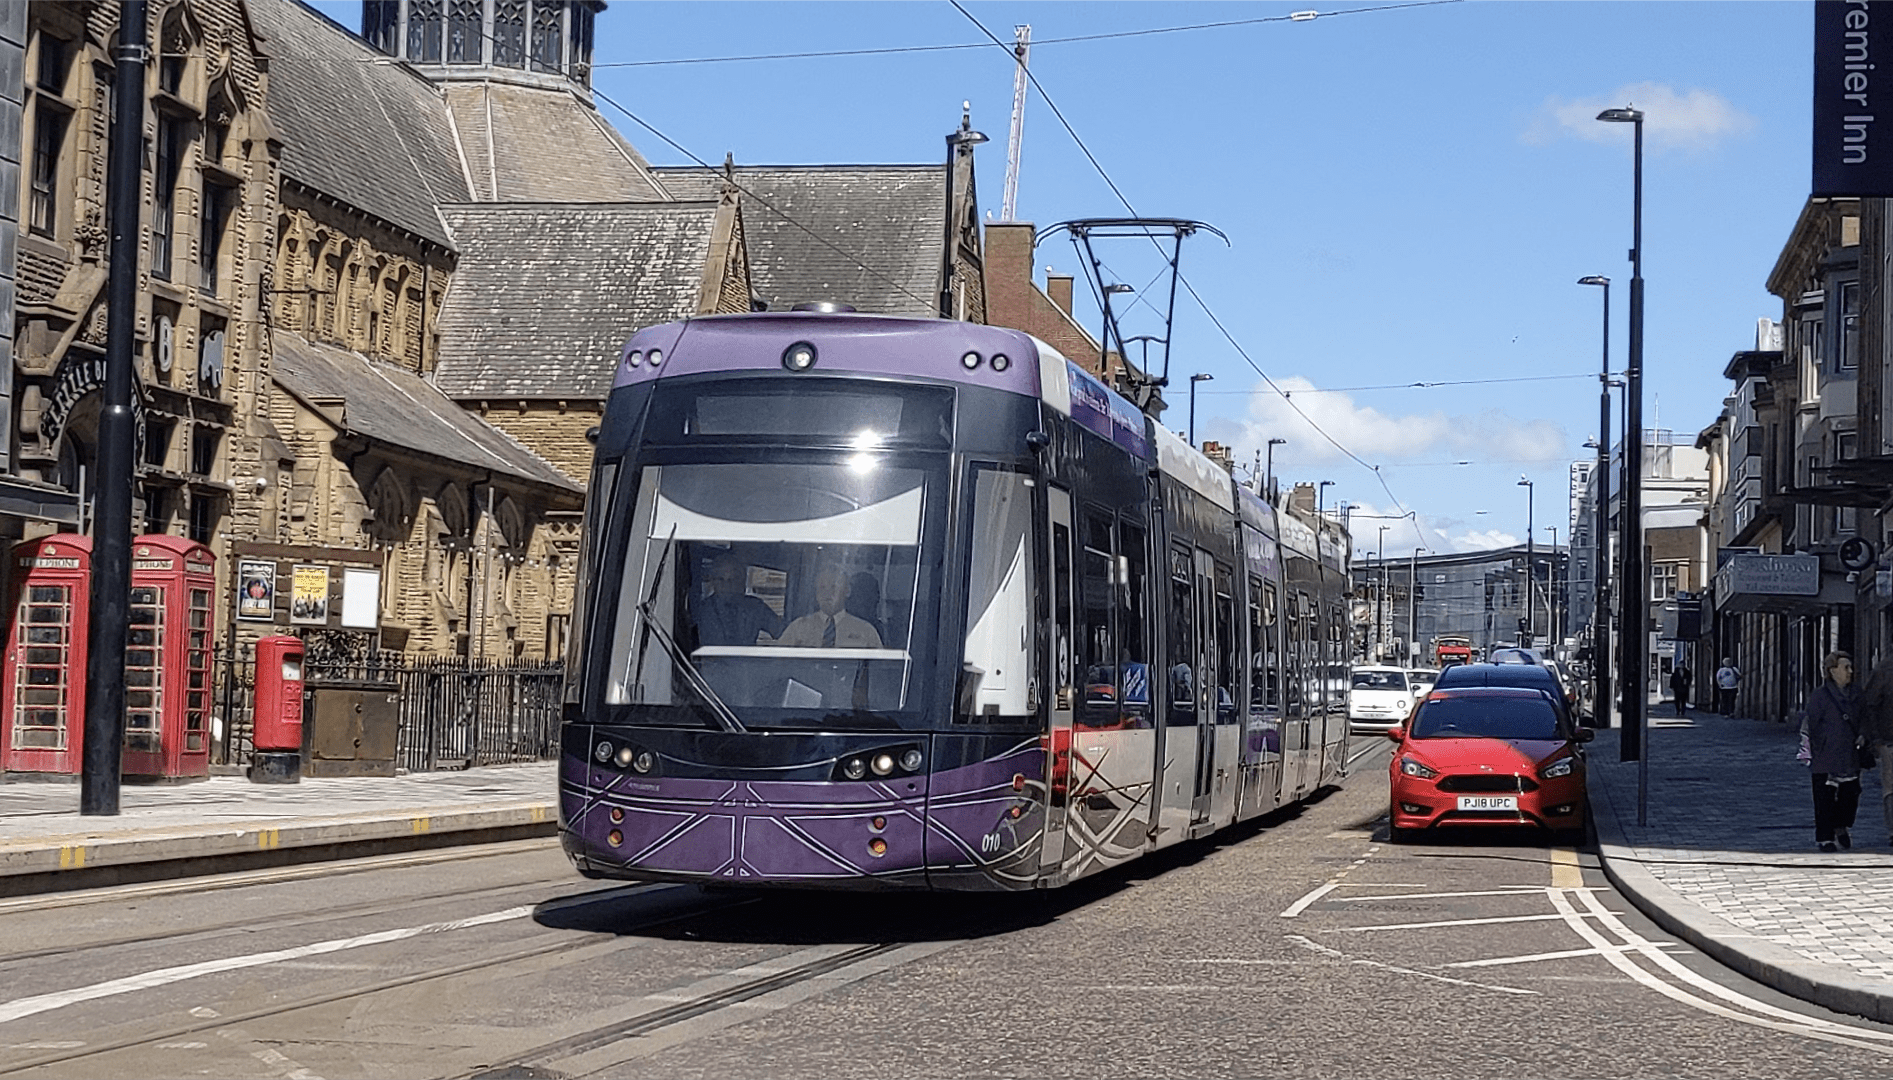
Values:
[(1208, 652), (1063, 680)]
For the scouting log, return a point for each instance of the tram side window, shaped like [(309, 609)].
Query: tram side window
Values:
[(1097, 606), (1182, 672), (998, 669), (1226, 646), (1133, 627), (1265, 690)]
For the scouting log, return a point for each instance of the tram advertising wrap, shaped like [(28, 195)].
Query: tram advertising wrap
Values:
[(874, 602)]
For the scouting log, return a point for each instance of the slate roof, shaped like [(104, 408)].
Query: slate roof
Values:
[(878, 231), (395, 406), (356, 126), (530, 144), (547, 294)]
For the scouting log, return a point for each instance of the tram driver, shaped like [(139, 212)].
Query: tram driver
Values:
[(728, 615), (830, 625)]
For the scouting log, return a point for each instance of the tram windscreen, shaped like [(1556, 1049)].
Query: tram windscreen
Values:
[(796, 592)]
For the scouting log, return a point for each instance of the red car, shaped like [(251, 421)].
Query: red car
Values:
[(1481, 755)]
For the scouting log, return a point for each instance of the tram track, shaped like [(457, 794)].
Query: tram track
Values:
[(562, 944)]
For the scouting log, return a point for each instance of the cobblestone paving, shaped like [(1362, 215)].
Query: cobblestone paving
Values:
[(31, 810), (1731, 827)]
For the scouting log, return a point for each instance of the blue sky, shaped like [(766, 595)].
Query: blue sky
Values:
[(1410, 196)]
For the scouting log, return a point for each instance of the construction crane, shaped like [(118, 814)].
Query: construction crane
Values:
[(1021, 49)]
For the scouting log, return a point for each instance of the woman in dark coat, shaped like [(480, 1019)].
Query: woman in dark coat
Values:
[(1833, 730)]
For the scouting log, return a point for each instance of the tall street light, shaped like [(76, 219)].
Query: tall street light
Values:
[(1201, 376), (1600, 566), (958, 142), (1413, 608), (1531, 622), (1380, 591), (1551, 593), (1635, 616), (1269, 471)]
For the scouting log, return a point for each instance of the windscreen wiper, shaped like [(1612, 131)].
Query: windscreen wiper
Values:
[(649, 626)]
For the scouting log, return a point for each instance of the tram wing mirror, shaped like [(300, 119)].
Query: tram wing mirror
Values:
[(1037, 440), (1585, 734)]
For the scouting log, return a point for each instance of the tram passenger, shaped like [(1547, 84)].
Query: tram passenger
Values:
[(728, 615), (830, 626), (864, 601)]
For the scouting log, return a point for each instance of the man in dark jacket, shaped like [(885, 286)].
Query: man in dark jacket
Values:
[(1875, 711), (1833, 735)]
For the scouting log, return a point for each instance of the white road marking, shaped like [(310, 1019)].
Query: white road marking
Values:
[(1339, 955), (182, 1045), (1806, 1026), (1362, 754), (1458, 922), (1313, 895), (1567, 954), (47, 1044), (39, 1003), (1510, 890)]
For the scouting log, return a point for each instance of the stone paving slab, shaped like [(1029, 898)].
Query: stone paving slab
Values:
[(1727, 859), (219, 823)]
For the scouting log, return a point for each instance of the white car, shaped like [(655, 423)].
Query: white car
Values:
[(1421, 679), (1380, 698)]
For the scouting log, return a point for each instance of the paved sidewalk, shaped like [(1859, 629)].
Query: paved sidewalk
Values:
[(1727, 860), (227, 823)]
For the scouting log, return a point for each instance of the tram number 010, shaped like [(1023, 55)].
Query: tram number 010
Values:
[(990, 843)]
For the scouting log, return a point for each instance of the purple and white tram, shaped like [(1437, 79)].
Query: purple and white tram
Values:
[(877, 602)]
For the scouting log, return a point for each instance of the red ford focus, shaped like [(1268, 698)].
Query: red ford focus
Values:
[(1487, 756)]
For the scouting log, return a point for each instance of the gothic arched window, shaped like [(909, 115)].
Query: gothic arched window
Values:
[(424, 31), (509, 33), (380, 18), (464, 30), (548, 37)]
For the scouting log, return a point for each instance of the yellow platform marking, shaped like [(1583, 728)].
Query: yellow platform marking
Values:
[(72, 857), (539, 814), (268, 839), (1565, 871), (420, 824)]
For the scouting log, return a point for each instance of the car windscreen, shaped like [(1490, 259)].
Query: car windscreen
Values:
[(1380, 680), (1505, 716)]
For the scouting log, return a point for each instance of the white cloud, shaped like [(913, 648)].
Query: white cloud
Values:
[(1381, 437), (1440, 536), (1482, 540), (1688, 120)]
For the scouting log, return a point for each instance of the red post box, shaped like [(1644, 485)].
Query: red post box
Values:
[(167, 658), (42, 680), (278, 712)]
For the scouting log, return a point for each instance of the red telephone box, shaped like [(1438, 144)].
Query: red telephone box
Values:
[(42, 675), (167, 658)]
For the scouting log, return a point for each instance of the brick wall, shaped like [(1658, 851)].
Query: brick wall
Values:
[(555, 430)]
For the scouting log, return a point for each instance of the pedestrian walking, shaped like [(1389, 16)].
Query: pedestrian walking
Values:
[(1875, 710), (1728, 678), (1679, 687), (1831, 729)]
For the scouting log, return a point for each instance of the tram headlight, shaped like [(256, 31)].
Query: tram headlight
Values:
[(625, 754), (910, 761), (634, 358), (602, 752), (643, 762), (799, 356), (1001, 361), (654, 357), (970, 360), (854, 768), (883, 764)]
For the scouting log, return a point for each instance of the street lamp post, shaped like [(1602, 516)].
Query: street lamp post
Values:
[(1380, 591), (1269, 470), (1551, 593), (1413, 608), (1635, 614), (1320, 490), (963, 139), (1531, 620), (1201, 376), (1600, 573)]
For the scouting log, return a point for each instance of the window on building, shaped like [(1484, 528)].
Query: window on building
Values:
[(214, 222), (1663, 580), (548, 36), (164, 194), (171, 60), (157, 509), (424, 19), (582, 41), (204, 442), (1849, 359), (509, 33), (205, 511), (158, 431), (380, 18), (49, 139), (464, 31), (55, 62)]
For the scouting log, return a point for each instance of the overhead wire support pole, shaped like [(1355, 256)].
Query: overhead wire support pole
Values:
[(109, 610), (1015, 137)]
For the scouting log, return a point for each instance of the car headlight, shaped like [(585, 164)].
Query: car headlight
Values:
[(1560, 767), (1414, 768)]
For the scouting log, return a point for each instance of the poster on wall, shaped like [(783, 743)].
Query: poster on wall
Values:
[(256, 589), (361, 599), (309, 596)]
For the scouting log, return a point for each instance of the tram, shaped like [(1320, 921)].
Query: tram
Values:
[(877, 602)]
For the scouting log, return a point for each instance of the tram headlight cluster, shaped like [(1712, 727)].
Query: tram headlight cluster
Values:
[(799, 356), (625, 756), (635, 357), (881, 764), (970, 360)]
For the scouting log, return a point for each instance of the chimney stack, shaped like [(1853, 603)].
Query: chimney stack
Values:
[(1058, 287)]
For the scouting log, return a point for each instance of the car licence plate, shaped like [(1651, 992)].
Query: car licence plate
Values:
[(1488, 802)]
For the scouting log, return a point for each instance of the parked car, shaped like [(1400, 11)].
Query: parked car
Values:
[(1379, 698), (1528, 676), (1488, 755)]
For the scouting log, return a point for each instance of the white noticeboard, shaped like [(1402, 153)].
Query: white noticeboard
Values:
[(361, 599)]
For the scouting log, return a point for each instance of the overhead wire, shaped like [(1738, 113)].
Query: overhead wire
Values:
[(1033, 78), (1432, 385)]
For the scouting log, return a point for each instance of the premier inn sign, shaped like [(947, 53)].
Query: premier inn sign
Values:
[(1853, 103)]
